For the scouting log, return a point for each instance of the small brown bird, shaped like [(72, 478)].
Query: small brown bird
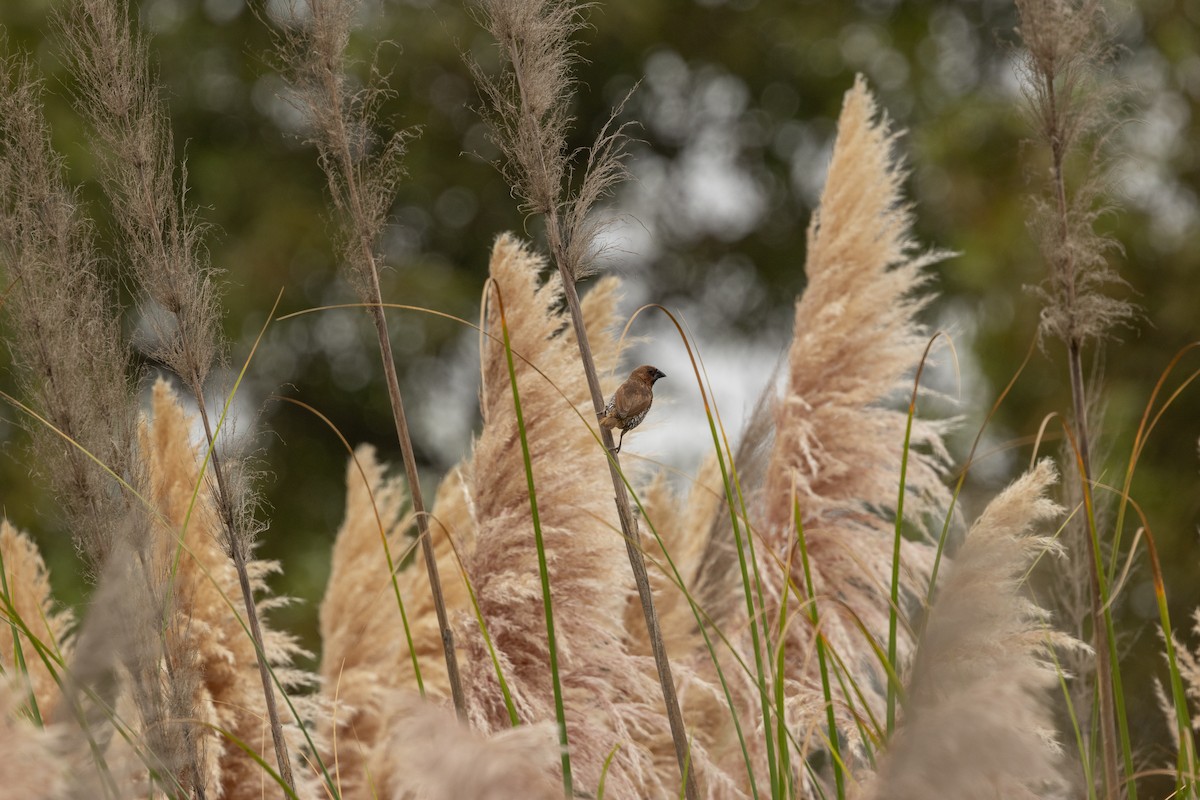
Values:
[(631, 402)]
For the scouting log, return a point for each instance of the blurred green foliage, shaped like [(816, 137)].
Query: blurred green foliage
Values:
[(735, 104)]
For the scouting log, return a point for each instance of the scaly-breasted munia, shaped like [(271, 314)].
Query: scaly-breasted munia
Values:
[(631, 402)]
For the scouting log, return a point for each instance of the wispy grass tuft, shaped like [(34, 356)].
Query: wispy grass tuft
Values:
[(73, 367), (71, 359), (362, 171), (1072, 100), (163, 243)]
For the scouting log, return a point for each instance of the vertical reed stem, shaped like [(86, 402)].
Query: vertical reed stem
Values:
[(237, 553), (1100, 642), (414, 484), (348, 192), (629, 526)]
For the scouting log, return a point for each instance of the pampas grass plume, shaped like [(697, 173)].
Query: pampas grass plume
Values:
[(205, 634), (978, 719), (29, 600)]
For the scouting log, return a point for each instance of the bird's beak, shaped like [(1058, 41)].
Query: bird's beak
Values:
[(659, 374)]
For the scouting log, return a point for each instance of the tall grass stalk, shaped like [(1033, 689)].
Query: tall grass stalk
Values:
[(529, 116), (162, 240), (703, 621), (1113, 721), (1071, 104), (362, 189), (733, 498)]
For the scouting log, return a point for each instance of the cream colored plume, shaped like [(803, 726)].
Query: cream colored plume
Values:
[(432, 756), (204, 635), (33, 765), (831, 442), (839, 427), (365, 657), (979, 715), (27, 589), (611, 696)]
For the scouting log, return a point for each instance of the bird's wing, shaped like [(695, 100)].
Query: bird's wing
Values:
[(631, 399)]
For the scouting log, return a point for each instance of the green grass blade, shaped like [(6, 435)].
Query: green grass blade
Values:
[(1118, 692), (604, 770), (254, 756), (393, 568), (785, 771), (543, 571), (894, 607), (1186, 764), (826, 689), (751, 612)]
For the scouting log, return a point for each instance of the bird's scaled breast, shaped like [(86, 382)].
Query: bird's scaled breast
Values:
[(634, 420)]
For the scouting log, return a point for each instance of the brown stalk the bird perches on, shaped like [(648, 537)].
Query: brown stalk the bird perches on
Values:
[(528, 112)]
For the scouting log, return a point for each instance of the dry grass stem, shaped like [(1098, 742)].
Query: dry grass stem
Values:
[(73, 364), (1071, 102), (527, 108), (362, 173)]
